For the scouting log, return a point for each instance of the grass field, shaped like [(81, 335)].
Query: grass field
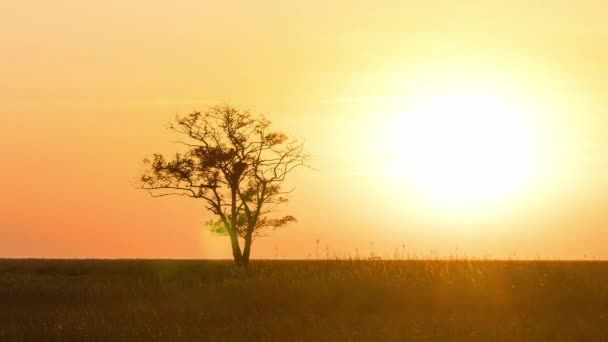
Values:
[(133, 300)]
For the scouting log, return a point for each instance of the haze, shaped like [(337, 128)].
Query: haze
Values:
[(86, 91)]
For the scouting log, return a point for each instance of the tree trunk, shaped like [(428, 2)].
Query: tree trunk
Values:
[(247, 250), (236, 249)]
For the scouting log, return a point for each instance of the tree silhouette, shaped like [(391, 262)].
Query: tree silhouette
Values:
[(236, 165)]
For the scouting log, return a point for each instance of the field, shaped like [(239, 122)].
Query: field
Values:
[(416, 300)]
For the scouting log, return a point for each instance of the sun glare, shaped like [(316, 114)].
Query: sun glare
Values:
[(464, 147)]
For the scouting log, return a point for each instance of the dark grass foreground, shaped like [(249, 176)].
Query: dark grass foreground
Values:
[(303, 301)]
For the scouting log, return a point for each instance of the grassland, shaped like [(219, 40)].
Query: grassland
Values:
[(146, 300)]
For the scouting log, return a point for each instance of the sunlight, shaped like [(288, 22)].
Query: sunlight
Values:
[(464, 146)]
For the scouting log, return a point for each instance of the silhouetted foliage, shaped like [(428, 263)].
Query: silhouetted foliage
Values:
[(236, 165)]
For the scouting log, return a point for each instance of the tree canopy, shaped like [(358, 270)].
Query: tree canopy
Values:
[(236, 164)]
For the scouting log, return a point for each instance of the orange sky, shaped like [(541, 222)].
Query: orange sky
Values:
[(87, 89)]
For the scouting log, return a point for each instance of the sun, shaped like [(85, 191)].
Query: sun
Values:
[(464, 146)]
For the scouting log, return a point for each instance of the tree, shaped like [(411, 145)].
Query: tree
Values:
[(236, 166)]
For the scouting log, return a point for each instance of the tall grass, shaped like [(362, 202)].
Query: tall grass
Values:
[(339, 300)]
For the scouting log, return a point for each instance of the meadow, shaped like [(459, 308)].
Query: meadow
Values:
[(339, 300)]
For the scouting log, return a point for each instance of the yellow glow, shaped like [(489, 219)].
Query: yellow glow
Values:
[(464, 146), (473, 118)]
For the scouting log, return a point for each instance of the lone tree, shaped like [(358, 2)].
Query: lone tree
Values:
[(236, 165)]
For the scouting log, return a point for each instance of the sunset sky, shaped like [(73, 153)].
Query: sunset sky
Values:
[(438, 128)]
